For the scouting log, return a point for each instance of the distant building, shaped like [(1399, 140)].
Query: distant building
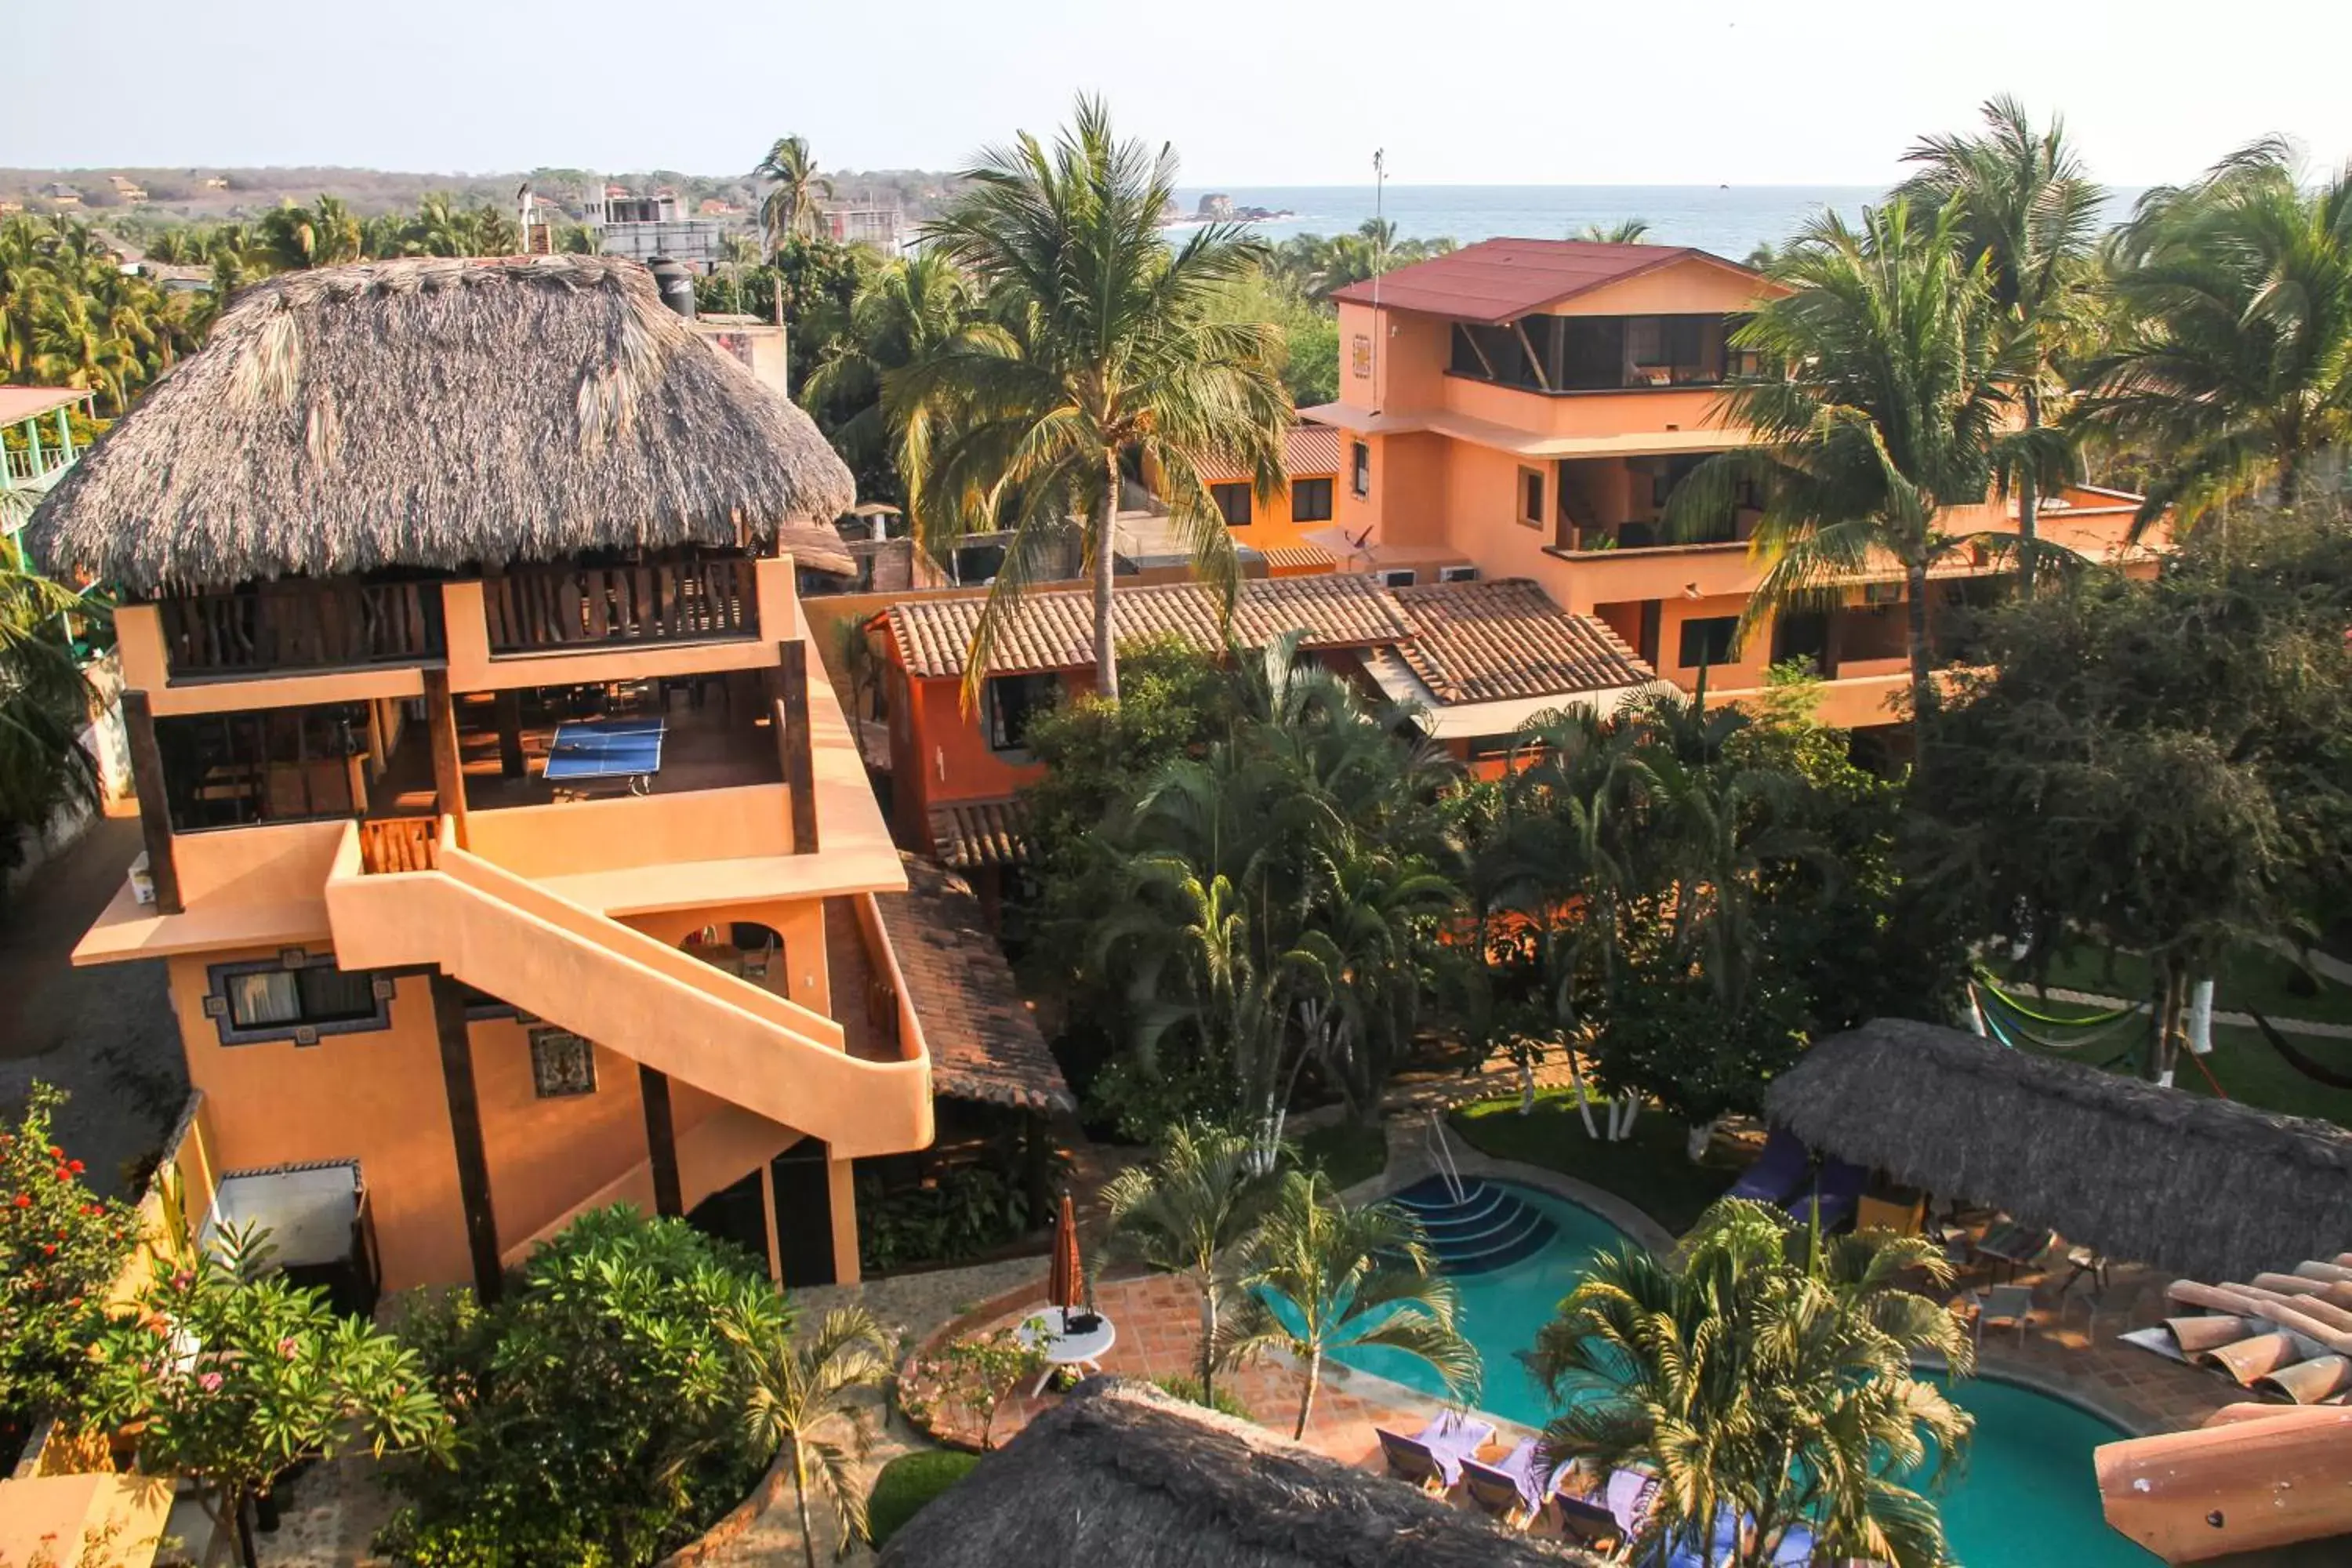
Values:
[(63, 195), (641, 228), (9, 208), (128, 189), (215, 182), (876, 226), (717, 207)]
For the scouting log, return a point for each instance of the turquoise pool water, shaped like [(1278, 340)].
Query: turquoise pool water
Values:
[(2026, 1498)]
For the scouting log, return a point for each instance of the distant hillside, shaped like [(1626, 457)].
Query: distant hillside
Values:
[(207, 194)]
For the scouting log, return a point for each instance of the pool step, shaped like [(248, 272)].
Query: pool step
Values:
[(1488, 1228)]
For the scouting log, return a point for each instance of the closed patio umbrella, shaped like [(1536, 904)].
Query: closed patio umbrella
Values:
[(1066, 1286)]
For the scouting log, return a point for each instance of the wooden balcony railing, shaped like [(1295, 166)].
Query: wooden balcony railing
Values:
[(532, 608), (301, 625), (398, 844)]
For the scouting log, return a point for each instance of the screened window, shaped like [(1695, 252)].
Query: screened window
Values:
[(1359, 466), (1233, 501), (1531, 496), (1708, 640), (1013, 701), (1310, 500)]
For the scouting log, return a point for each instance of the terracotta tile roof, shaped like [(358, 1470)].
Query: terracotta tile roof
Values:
[(969, 834), (1055, 630), (1476, 642), (984, 1042), (1496, 280), (1310, 450), (2286, 1335)]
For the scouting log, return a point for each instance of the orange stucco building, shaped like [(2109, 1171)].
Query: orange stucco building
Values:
[(504, 841), (1527, 407)]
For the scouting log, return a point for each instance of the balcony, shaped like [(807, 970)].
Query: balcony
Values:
[(300, 626), (538, 609)]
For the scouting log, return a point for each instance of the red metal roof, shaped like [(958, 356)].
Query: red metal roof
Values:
[(1496, 280)]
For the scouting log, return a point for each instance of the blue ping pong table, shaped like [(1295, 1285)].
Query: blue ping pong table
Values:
[(594, 750)]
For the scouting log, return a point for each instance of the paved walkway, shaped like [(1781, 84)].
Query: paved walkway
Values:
[(105, 1035)]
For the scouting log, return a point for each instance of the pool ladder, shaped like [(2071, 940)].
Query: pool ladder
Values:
[(1442, 1156)]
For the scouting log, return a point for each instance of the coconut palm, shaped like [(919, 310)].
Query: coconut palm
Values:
[(1895, 406), (1107, 354), (2237, 367), (1766, 1380), (908, 311), (797, 1401), (1625, 231), (44, 696), (1322, 1277), (1182, 1213), (790, 209), (2032, 214)]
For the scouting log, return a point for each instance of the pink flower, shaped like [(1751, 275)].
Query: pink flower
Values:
[(286, 1349), (210, 1382)]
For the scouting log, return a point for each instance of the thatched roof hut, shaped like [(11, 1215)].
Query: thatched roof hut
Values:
[(432, 412), (1121, 1473), (2199, 1187)]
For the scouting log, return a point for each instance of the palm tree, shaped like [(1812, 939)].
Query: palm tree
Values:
[(1198, 1197), (910, 309), (1110, 354), (1321, 1276), (790, 210), (1766, 1379), (44, 696), (2032, 214), (738, 251), (797, 1394), (1894, 406), (1625, 231), (2237, 366)]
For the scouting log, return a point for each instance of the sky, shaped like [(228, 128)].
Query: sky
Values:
[(1251, 92)]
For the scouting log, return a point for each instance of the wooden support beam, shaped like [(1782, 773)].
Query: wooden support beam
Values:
[(661, 1142), (155, 808), (466, 1133), (509, 711), (792, 718), (441, 731)]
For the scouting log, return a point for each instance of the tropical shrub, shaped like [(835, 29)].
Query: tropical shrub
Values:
[(228, 1373), (599, 1405), (1223, 1401), (60, 1247), (960, 1213), (971, 1376)]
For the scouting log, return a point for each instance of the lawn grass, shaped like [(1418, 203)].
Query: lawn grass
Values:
[(1648, 1170), (907, 1483), (2245, 1066), (1347, 1153)]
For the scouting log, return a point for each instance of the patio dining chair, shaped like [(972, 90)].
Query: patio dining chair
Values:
[(2010, 1304)]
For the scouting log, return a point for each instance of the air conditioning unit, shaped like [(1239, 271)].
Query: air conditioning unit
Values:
[(1397, 577), (1457, 574)]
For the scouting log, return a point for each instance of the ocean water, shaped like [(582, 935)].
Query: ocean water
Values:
[(1729, 220)]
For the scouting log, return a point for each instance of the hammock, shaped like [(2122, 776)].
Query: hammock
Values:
[(1998, 1008), (2318, 1071), (1986, 979)]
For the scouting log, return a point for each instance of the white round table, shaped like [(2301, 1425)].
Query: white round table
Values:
[(1062, 1348)]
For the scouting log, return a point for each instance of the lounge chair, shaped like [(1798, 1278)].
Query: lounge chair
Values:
[(1777, 1173), (1513, 1488), (2007, 1304), (1410, 1460), (1833, 1198), (1588, 1523), (1454, 1438), (2014, 1245)]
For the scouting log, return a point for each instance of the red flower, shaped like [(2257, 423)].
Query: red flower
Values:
[(76, 1166), (23, 1200), (56, 1153)]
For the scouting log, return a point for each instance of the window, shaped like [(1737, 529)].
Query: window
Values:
[(1397, 577), (1012, 701), (562, 1064), (1531, 496), (1233, 501), (1360, 464), (1708, 640), (1457, 574), (296, 997), (284, 764), (1310, 500), (975, 565)]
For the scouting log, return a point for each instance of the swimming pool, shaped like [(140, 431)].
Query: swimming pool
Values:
[(2026, 1498)]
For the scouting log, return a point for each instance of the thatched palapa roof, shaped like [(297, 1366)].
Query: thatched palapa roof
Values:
[(1120, 1473), (2160, 1176), (432, 412)]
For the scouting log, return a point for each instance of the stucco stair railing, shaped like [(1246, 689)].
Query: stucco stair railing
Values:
[(513, 939)]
